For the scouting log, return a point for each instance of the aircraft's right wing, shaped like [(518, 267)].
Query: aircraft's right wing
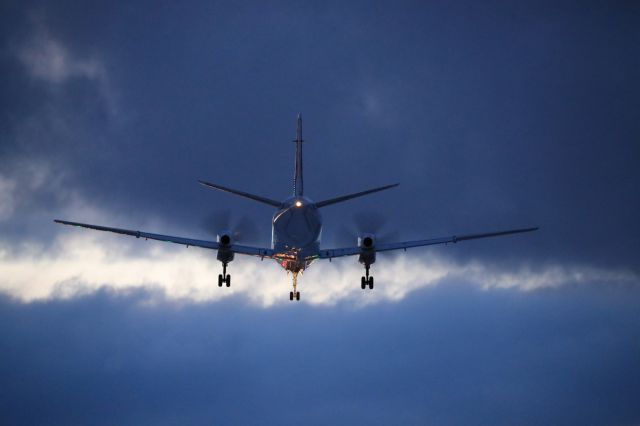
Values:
[(251, 251), (350, 251)]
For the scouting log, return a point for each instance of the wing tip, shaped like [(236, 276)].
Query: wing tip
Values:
[(66, 222)]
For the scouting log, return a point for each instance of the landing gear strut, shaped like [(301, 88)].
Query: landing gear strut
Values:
[(223, 278), (295, 294), (367, 280)]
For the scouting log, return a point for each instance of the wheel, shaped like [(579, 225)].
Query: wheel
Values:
[(219, 280), (370, 283), (228, 280), (362, 283), (290, 295), (298, 295)]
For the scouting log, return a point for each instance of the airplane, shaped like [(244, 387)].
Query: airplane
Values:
[(296, 230)]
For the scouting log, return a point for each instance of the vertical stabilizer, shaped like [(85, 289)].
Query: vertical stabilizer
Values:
[(298, 186)]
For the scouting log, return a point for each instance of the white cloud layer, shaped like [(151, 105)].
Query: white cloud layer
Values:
[(82, 261)]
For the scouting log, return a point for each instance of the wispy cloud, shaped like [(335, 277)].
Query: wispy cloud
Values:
[(377, 104), (46, 58), (26, 181)]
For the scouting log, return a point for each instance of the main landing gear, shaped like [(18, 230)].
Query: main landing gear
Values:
[(295, 294), (223, 278), (366, 281)]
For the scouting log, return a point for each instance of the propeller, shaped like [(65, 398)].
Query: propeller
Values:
[(364, 222), (243, 229)]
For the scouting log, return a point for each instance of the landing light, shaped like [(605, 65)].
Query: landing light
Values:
[(298, 203)]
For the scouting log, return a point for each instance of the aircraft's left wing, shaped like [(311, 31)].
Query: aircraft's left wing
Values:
[(349, 251), (252, 251)]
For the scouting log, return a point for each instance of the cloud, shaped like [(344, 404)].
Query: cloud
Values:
[(30, 182), (27, 176), (75, 262), (377, 103), (82, 262), (46, 58)]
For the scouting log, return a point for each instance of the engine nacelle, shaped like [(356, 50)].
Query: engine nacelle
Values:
[(224, 239), (367, 241), (367, 244)]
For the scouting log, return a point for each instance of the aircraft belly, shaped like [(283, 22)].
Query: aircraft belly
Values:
[(296, 234)]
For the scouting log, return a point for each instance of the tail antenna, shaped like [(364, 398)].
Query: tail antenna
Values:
[(299, 129), (298, 185)]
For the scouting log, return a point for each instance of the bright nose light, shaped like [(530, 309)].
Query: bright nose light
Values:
[(298, 203)]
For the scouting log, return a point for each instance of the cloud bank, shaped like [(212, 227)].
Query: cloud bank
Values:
[(81, 262)]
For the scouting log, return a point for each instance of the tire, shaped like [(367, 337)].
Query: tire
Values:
[(290, 295), (228, 280), (298, 296), (370, 283), (219, 280), (363, 283)]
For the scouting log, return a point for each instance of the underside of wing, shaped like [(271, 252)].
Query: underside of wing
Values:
[(350, 251), (212, 245)]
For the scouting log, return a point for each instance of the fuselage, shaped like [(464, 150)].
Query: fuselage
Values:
[(296, 232)]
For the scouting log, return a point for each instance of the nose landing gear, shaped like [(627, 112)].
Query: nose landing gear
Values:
[(223, 278), (366, 280), (295, 294)]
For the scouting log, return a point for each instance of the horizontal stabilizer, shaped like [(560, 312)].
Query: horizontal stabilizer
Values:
[(242, 194), (355, 195)]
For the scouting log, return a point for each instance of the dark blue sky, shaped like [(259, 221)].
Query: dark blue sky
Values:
[(491, 116)]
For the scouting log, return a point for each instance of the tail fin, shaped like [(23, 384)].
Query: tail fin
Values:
[(298, 185)]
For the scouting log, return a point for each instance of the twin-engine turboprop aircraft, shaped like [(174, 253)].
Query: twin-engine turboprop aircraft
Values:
[(296, 229)]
